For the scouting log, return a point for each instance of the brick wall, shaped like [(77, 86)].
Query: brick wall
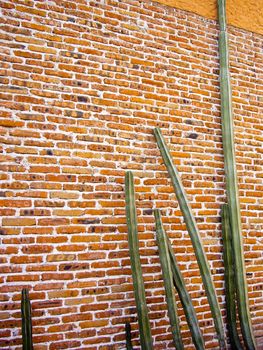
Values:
[(83, 84)]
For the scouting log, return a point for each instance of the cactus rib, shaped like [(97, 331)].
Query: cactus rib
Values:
[(231, 181), (195, 237), (26, 321), (229, 280), (168, 280), (186, 301), (139, 291)]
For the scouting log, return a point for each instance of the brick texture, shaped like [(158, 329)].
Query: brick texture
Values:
[(83, 84)]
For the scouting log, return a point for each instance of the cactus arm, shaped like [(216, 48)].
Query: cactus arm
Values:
[(138, 284), (168, 280), (186, 301), (230, 280), (231, 181), (195, 237), (128, 336), (26, 321)]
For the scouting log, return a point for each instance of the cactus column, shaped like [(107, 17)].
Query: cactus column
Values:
[(194, 235), (139, 291), (230, 283), (231, 180), (26, 321), (128, 336), (168, 280), (186, 300)]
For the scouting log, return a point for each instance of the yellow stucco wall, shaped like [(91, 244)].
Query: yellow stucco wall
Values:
[(245, 14)]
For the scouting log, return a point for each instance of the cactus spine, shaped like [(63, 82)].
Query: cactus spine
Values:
[(168, 280), (195, 237), (230, 283), (139, 291), (26, 321), (186, 301), (231, 181)]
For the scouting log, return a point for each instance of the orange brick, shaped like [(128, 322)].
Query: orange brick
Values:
[(61, 257), (18, 222), (93, 324)]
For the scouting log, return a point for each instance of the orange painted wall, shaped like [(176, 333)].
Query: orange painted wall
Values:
[(247, 14)]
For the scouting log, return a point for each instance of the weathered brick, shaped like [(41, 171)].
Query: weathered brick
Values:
[(37, 249), (18, 222)]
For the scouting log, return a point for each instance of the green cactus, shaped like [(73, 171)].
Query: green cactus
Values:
[(231, 180), (230, 283), (26, 321), (195, 237), (168, 280), (138, 284), (186, 301), (128, 336)]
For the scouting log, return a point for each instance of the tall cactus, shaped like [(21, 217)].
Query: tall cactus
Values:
[(194, 235), (168, 280), (231, 180), (186, 301), (230, 283), (26, 321), (139, 291)]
